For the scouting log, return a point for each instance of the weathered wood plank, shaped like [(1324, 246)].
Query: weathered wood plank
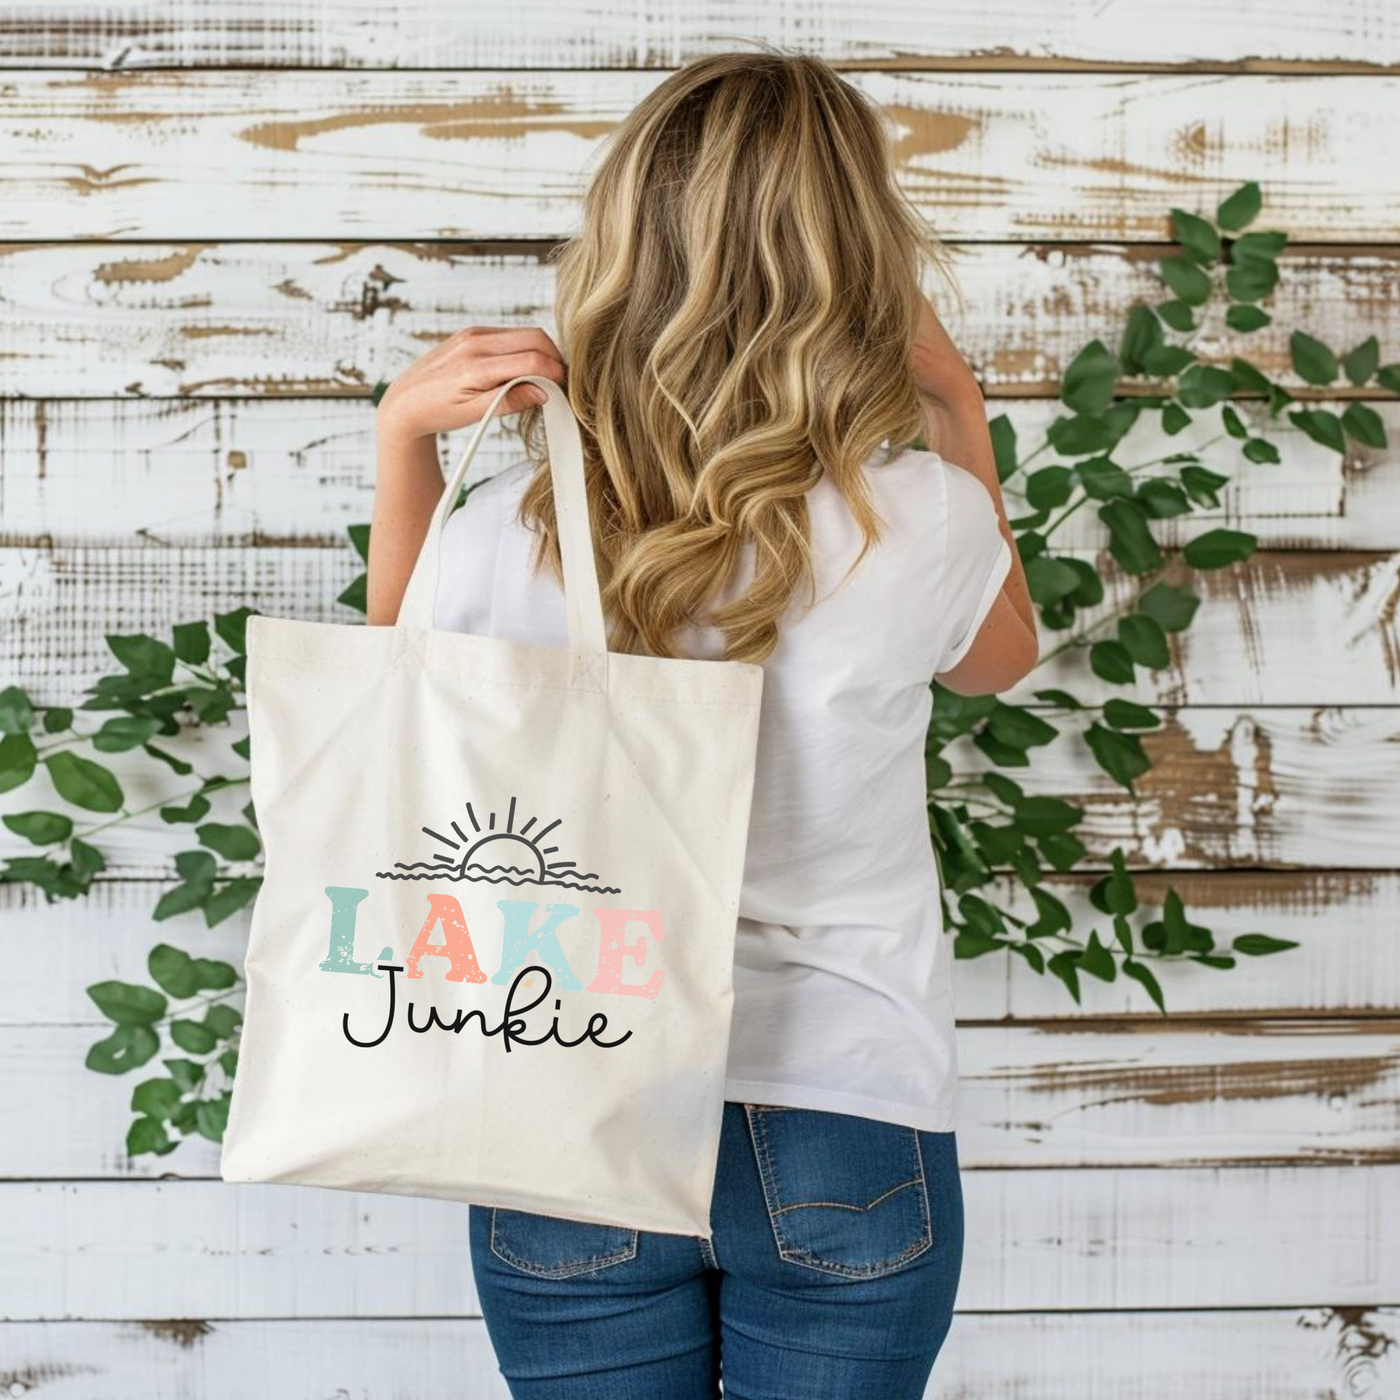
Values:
[(1244, 647), (1074, 1094), (278, 319), (1184, 1354), (1345, 923), (1287, 788), (298, 471), (419, 34), (1061, 1240), (505, 154)]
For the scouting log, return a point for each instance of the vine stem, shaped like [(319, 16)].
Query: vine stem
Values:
[(126, 815)]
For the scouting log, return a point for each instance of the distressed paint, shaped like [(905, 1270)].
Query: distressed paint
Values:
[(1081, 156)]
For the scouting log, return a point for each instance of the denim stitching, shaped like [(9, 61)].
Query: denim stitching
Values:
[(805, 1258), (592, 1264)]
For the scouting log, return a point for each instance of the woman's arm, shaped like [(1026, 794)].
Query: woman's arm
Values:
[(449, 387), (955, 418)]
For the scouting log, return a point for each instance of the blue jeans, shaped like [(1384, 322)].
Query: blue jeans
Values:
[(836, 1255)]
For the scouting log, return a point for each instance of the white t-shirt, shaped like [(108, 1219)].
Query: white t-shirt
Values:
[(842, 968)]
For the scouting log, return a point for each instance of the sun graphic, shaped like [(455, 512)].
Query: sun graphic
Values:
[(496, 855)]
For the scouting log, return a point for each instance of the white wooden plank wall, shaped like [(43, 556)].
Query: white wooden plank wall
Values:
[(225, 221)]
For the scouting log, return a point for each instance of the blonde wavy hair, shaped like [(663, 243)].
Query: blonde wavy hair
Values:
[(736, 316)]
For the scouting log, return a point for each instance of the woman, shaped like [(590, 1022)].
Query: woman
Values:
[(750, 358)]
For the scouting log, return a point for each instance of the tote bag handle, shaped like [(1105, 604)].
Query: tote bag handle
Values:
[(588, 645)]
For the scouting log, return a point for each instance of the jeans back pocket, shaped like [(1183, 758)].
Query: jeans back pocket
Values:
[(845, 1195), (551, 1247)]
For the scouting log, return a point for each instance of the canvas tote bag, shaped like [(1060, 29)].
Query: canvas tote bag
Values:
[(491, 959)]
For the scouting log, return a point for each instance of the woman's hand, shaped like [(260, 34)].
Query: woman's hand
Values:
[(449, 387)]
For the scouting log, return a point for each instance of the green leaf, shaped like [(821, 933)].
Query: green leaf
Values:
[(1003, 446), (1020, 728), (1097, 961), (57, 718), (87, 860), (177, 764), (1313, 362), (1120, 755), (1166, 360), (1063, 965), (1362, 362), (1054, 915), (1130, 540), (1047, 816), (1388, 377), (1248, 379), (1202, 484), (42, 828), (192, 811), (128, 1047), (1145, 641), (1142, 333), (1201, 386), (1186, 280), (16, 711), (180, 899), (1061, 698), (1234, 424), (1261, 450), (1124, 714), (1171, 606), (1049, 487), (84, 783), (1089, 589), (1256, 945), (192, 1038), (1114, 893), (1363, 423), (147, 1135), (1103, 479), (233, 842), (1321, 425), (228, 1062), (158, 1098), (1174, 419), (1140, 972), (128, 1003), (355, 594), (223, 1020), (186, 1073), (212, 1118), (196, 865), (124, 732), (1062, 850), (213, 975), (1111, 662), (1239, 209), (144, 657), (1049, 580), (359, 541), (1245, 318), (230, 898), (1078, 437), (1089, 380), (17, 761), (232, 628), (1252, 280), (1217, 548), (173, 971), (1196, 236), (192, 642), (1162, 498), (1258, 247), (1177, 315)]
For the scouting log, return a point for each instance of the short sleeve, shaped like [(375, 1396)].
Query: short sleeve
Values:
[(976, 561)]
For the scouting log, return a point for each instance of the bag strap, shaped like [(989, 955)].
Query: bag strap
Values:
[(587, 635)]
